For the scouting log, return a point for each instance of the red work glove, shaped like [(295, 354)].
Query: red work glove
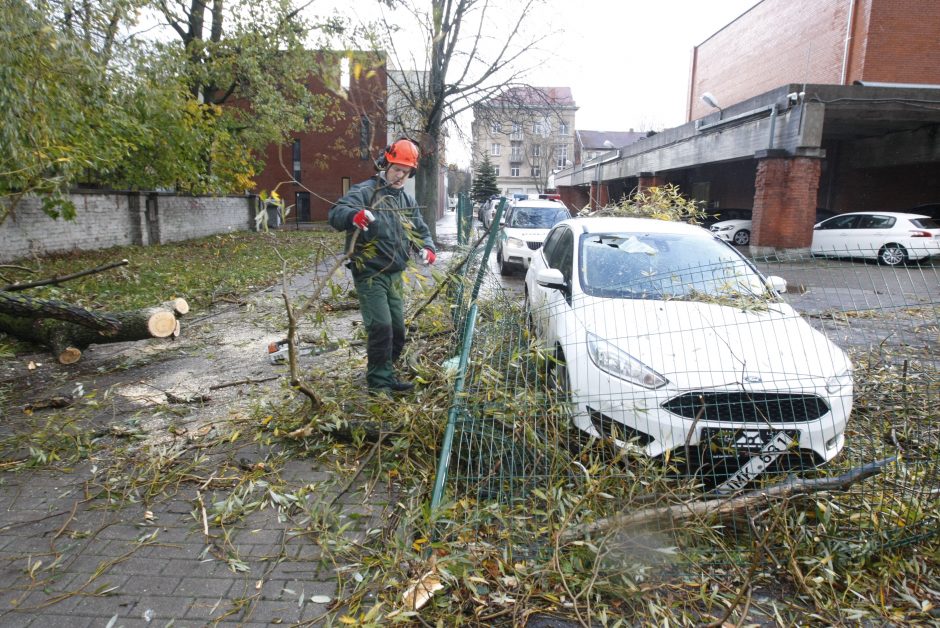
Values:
[(428, 256), (362, 218)]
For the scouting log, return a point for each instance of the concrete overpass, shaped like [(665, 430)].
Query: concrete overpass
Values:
[(784, 153)]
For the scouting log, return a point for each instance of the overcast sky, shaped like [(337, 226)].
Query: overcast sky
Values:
[(627, 61)]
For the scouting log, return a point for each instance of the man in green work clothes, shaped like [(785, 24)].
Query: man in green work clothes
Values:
[(390, 227)]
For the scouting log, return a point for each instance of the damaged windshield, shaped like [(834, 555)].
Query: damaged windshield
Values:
[(664, 265)]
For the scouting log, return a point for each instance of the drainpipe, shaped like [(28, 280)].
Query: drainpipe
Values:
[(773, 124), (849, 28)]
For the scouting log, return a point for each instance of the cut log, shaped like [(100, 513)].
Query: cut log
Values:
[(67, 340), (178, 306)]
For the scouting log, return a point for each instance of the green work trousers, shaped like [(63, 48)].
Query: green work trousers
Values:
[(382, 306)]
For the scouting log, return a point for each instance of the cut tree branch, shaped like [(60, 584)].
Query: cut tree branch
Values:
[(792, 486), (16, 286)]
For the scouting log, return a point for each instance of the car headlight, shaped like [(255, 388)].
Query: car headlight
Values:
[(838, 382), (725, 228), (618, 363), (515, 242)]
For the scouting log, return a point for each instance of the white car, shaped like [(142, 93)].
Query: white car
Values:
[(522, 230), (890, 237), (736, 231), (667, 339), (488, 213)]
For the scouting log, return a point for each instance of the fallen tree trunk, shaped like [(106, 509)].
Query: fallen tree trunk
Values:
[(22, 306), (67, 340), (701, 508)]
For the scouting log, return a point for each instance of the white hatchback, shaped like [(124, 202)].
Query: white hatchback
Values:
[(666, 339), (890, 237)]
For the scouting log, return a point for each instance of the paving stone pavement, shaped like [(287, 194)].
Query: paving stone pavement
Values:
[(74, 555)]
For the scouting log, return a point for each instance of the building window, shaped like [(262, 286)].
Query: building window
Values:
[(496, 171), (516, 131), (515, 153), (494, 149), (536, 171), (562, 128), (365, 132), (561, 152), (496, 127), (295, 151), (514, 171), (536, 150), (538, 128)]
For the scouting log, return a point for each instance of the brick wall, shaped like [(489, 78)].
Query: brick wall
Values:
[(904, 42), (803, 41), (332, 153), (188, 217), (785, 202), (118, 219)]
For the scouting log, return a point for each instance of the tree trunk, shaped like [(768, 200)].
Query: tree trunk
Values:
[(22, 306), (67, 340)]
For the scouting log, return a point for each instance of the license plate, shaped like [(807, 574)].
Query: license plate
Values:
[(751, 470)]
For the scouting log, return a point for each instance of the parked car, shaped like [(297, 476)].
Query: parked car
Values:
[(489, 211), (713, 216), (666, 339), (738, 230), (523, 229), (890, 237)]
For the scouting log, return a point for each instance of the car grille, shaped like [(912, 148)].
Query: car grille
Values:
[(607, 427), (744, 407), (535, 246)]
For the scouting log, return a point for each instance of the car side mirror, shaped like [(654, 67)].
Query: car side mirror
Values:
[(778, 284), (551, 278)]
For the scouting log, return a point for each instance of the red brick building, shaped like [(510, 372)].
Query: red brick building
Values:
[(318, 167), (833, 42)]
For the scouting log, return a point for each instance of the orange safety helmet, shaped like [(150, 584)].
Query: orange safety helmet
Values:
[(403, 152)]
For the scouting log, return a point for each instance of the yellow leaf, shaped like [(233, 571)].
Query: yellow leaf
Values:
[(349, 621), (418, 543)]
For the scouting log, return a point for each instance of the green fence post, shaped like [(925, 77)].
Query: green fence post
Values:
[(447, 444), (494, 227)]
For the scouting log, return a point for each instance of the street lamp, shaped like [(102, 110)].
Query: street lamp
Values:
[(709, 99)]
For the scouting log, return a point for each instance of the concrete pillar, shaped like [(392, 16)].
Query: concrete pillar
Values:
[(648, 180), (574, 198), (600, 195), (784, 202)]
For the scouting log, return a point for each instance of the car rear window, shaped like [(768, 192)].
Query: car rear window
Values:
[(926, 223)]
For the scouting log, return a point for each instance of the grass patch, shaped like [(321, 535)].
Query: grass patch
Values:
[(202, 271)]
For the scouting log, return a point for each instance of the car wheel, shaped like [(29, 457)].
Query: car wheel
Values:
[(527, 308), (559, 384), (504, 269), (892, 254), (742, 237)]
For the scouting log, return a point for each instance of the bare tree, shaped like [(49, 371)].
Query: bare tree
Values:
[(464, 63)]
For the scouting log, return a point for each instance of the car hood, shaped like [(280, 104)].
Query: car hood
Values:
[(529, 235), (701, 345)]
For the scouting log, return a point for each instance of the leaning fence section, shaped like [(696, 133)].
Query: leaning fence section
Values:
[(666, 393)]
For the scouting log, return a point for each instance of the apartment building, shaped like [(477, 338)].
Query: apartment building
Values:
[(528, 134)]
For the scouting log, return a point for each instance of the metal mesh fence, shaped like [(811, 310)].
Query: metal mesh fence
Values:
[(670, 379)]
